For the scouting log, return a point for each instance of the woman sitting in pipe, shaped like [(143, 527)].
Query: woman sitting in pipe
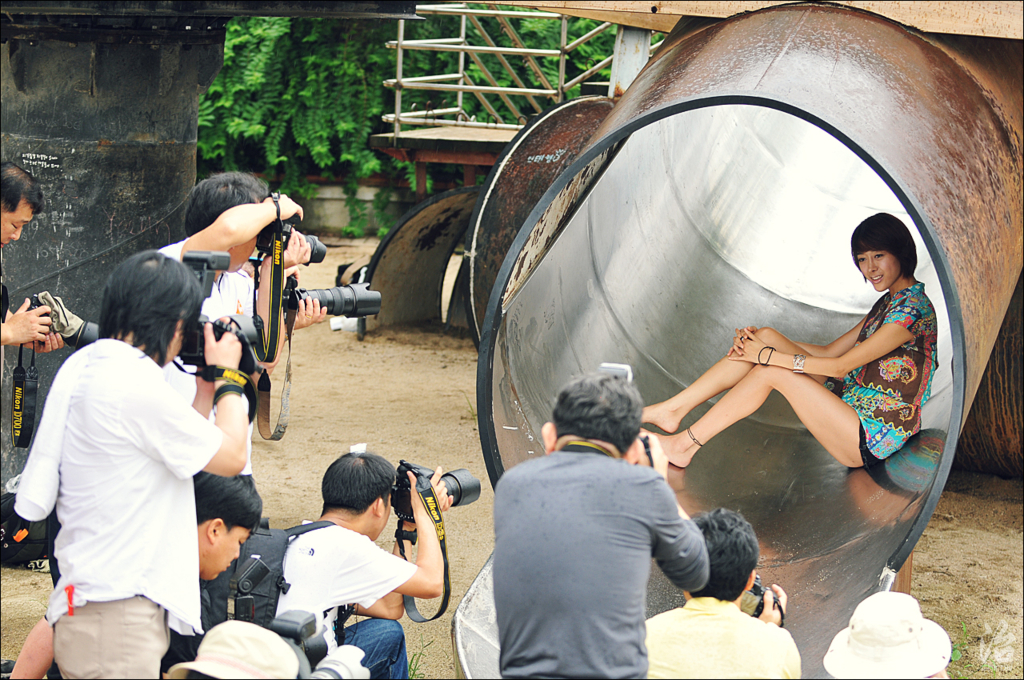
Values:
[(887, 361)]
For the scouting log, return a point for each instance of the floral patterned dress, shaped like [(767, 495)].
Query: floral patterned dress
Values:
[(888, 393)]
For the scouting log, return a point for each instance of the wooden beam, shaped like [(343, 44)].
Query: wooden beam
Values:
[(992, 19)]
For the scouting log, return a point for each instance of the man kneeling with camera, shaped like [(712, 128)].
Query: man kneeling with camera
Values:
[(339, 570), (731, 628)]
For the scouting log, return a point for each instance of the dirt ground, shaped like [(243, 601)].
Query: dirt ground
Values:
[(410, 394)]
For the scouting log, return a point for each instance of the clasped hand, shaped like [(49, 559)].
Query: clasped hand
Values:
[(746, 346)]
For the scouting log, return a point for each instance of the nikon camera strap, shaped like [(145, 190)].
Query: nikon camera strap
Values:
[(266, 349), (263, 416), (434, 510), (23, 405)]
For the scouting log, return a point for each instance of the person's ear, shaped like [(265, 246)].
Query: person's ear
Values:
[(635, 453), (549, 435), (379, 507), (212, 529), (750, 581)]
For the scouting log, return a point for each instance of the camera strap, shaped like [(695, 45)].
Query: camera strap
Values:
[(233, 377), (434, 510), (23, 404), (266, 349), (263, 415)]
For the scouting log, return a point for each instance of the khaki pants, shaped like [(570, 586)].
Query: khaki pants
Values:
[(119, 639)]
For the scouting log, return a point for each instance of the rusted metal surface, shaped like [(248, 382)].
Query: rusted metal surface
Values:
[(409, 265), (109, 130), (525, 170), (646, 275), (991, 440)]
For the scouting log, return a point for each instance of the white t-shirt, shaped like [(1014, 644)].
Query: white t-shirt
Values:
[(125, 499), (333, 567), (232, 294)]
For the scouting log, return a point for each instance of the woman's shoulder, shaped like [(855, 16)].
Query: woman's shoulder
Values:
[(916, 296)]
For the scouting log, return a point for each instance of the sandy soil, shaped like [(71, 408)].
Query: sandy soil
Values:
[(410, 394)]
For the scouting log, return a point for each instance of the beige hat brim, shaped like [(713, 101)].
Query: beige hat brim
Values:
[(215, 669), (841, 662)]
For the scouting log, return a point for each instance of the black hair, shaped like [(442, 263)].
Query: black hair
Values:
[(147, 295), (16, 184), (219, 193), (231, 499), (599, 406), (354, 481), (732, 553), (883, 231)]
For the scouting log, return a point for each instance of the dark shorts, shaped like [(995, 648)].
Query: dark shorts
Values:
[(869, 459)]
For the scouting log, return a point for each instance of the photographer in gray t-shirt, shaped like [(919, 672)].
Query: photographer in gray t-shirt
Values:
[(575, 532)]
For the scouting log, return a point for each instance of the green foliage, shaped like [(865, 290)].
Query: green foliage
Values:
[(300, 97)]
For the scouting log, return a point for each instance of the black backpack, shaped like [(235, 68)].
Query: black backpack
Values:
[(252, 585), (218, 596), (21, 541)]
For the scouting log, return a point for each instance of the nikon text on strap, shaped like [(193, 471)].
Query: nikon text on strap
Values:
[(266, 349), (233, 377), (434, 510), (23, 403)]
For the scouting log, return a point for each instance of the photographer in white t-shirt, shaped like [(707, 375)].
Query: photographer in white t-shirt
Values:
[(226, 212), (116, 451)]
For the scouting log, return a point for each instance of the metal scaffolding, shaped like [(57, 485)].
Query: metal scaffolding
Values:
[(511, 116)]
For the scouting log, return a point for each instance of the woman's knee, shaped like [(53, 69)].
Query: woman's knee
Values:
[(769, 335)]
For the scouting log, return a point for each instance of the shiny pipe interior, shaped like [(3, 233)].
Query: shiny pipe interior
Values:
[(701, 222)]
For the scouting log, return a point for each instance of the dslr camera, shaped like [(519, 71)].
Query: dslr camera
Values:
[(265, 240), (462, 486), (75, 331), (299, 630), (205, 265), (753, 600), (354, 300)]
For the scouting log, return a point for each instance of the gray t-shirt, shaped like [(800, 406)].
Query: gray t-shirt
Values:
[(574, 537)]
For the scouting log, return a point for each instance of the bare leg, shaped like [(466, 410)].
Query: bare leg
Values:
[(36, 654), (724, 375), (832, 421)]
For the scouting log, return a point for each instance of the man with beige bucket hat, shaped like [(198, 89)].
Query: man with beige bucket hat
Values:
[(237, 649), (889, 638)]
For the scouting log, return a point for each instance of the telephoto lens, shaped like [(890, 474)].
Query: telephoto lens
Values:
[(354, 300)]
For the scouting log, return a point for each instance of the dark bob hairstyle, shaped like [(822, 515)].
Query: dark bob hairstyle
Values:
[(885, 232), (146, 296)]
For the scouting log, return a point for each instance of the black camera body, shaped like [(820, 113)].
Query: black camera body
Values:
[(265, 240), (193, 346), (205, 265), (753, 599), (462, 486)]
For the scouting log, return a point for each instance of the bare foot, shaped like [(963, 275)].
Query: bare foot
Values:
[(661, 416), (680, 449)]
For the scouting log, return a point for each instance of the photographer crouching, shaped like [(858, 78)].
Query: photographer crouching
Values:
[(116, 451)]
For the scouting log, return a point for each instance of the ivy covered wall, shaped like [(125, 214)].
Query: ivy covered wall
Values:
[(300, 97)]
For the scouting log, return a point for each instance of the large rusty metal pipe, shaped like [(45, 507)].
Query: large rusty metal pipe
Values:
[(722, 190), (108, 127)]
